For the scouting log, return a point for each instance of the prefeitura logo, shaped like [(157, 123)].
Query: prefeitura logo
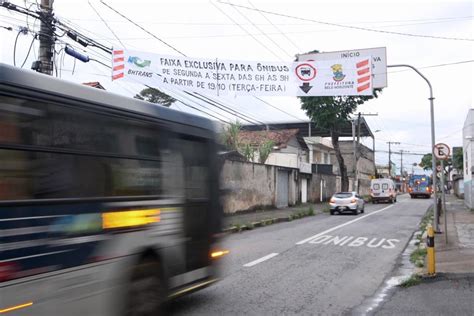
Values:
[(137, 61), (337, 72)]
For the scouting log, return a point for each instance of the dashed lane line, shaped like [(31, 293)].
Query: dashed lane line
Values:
[(250, 264)]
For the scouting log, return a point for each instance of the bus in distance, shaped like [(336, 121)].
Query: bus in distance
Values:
[(419, 186)]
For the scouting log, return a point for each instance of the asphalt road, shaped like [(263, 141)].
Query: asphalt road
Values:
[(321, 265)]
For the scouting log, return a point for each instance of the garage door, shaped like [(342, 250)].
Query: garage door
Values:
[(282, 188), (304, 190)]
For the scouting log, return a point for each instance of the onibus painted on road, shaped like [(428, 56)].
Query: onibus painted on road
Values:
[(108, 205)]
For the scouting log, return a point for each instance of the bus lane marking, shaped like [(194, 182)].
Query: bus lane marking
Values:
[(250, 264), (342, 225), (352, 241)]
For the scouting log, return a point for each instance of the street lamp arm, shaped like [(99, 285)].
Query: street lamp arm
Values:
[(433, 160), (418, 72)]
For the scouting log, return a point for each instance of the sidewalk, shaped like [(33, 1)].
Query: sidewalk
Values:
[(451, 292), (457, 256), (275, 215)]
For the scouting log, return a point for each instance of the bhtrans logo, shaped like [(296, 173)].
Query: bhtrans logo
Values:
[(137, 61), (337, 72)]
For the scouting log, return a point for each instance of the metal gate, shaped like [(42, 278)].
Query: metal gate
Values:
[(304, 190), (282, 188)]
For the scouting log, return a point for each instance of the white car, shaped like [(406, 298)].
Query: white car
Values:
[(346, 202)]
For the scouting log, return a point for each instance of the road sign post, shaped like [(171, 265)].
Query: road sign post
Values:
[(441, 151)]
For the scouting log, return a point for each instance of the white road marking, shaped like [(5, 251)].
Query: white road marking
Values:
[(261, 260), (342, 225)]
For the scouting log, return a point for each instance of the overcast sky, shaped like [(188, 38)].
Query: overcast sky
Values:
[(214, 29)]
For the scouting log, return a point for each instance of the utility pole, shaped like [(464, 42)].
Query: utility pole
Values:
[(46, 39), (357, 146), (401, 160), (390, 157), (402, 177)]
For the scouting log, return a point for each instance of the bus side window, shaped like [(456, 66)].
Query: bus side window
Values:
[(196, 169), (172, 167)]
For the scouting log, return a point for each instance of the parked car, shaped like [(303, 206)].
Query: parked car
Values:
[(383, 190), (347, 202)]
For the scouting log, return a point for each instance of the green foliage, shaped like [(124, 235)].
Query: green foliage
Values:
[(155, 96), (247, 151), (326, 208), (418, 254), (411, 281), (264, 150), (427, 161), (231, 135), (458, 159), (310, 211)]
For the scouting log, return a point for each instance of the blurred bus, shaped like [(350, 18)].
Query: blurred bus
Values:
[(419, 186), (108, 205)]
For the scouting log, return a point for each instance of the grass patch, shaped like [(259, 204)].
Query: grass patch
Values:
[(326, 208), (411, 281), (310, 211)]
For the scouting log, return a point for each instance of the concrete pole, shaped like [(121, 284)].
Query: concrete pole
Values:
[(433, 143), (354, 155), (389, 161), (46, 38), (443, 197)]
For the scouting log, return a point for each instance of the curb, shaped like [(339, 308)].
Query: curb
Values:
[(263, 223)]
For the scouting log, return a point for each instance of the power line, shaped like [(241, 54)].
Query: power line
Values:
[(107, 25), (142, 28), (263, 33), (278, 29), (347, 26), (241, 27)]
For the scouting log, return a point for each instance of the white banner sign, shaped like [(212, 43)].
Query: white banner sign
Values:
[(379, 61), (228, 77)]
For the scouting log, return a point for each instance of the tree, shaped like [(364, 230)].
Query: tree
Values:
[(458, 159), (331, 113), (427, 161), (264, 150), (155, 96), (231, 135)]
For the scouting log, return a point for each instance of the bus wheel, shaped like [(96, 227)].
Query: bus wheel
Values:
[(146, 290)]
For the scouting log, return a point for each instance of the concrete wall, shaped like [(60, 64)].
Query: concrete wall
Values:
[(468, 150), (365, 164), (247, 186), (250, 186)]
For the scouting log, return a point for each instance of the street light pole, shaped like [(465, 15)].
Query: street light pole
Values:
[(433, 160)]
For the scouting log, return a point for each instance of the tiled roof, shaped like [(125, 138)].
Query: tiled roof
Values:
[(280, 137), (94, 84)]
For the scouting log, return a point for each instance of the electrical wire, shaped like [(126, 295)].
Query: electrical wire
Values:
[(347, 26), (107, 25), (142, 28), (278, 29), (14, 48), (29, 50), (262, 32), (245, 30)]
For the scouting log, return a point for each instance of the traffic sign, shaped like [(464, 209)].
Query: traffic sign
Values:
[(379, 61), (441, 151), (438, 168)]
